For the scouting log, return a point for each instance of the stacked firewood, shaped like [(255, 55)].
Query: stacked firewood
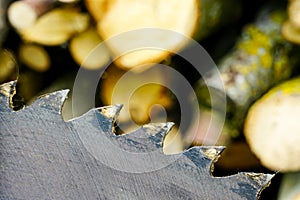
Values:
[(44, 44)]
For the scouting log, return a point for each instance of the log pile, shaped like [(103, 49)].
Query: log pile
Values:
[(46, 42), (259, 59)]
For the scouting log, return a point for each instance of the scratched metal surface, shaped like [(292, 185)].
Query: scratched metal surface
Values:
[(44, 157)]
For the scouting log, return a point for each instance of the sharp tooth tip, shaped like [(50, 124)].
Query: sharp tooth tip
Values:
[(164, 126), (65, 91), (218, 149), (167, 126), (170, 124), (8, 89), (118, 108), (212, 152), (13, 83), (118, 105), (269, 179), (62, 94), (111, 111), (53, 100), (261, 179), (155, 128), (10, 84)]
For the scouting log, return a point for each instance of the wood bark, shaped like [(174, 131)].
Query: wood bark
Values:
[(260, 59)]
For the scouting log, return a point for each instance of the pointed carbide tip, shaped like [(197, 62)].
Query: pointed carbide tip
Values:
[(261, 180), (111, 112), (212, 152), (8, 89), (157, 132), (53, 101), (62, 95), (155, 128)]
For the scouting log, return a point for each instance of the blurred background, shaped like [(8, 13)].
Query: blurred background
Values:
[(254, 44)]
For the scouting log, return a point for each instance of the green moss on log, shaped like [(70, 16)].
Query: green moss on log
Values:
[(260, 59)]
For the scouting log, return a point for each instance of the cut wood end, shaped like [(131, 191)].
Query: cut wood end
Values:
[(272, 131), (125, 16), (96, 8), (294, 12), (297, 196), (290, 33), (21, 15), (141, 58), (137, 92), (67, 22), (34, 57), (88, 50)]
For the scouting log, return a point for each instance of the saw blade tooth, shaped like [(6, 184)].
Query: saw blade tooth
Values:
[(260, 180), (212, 152), (158, 131), (111, 112), (52, 101), (109, 115), (7, 91), (154, 128), (147, 138), (103, 117), (204, 157)]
